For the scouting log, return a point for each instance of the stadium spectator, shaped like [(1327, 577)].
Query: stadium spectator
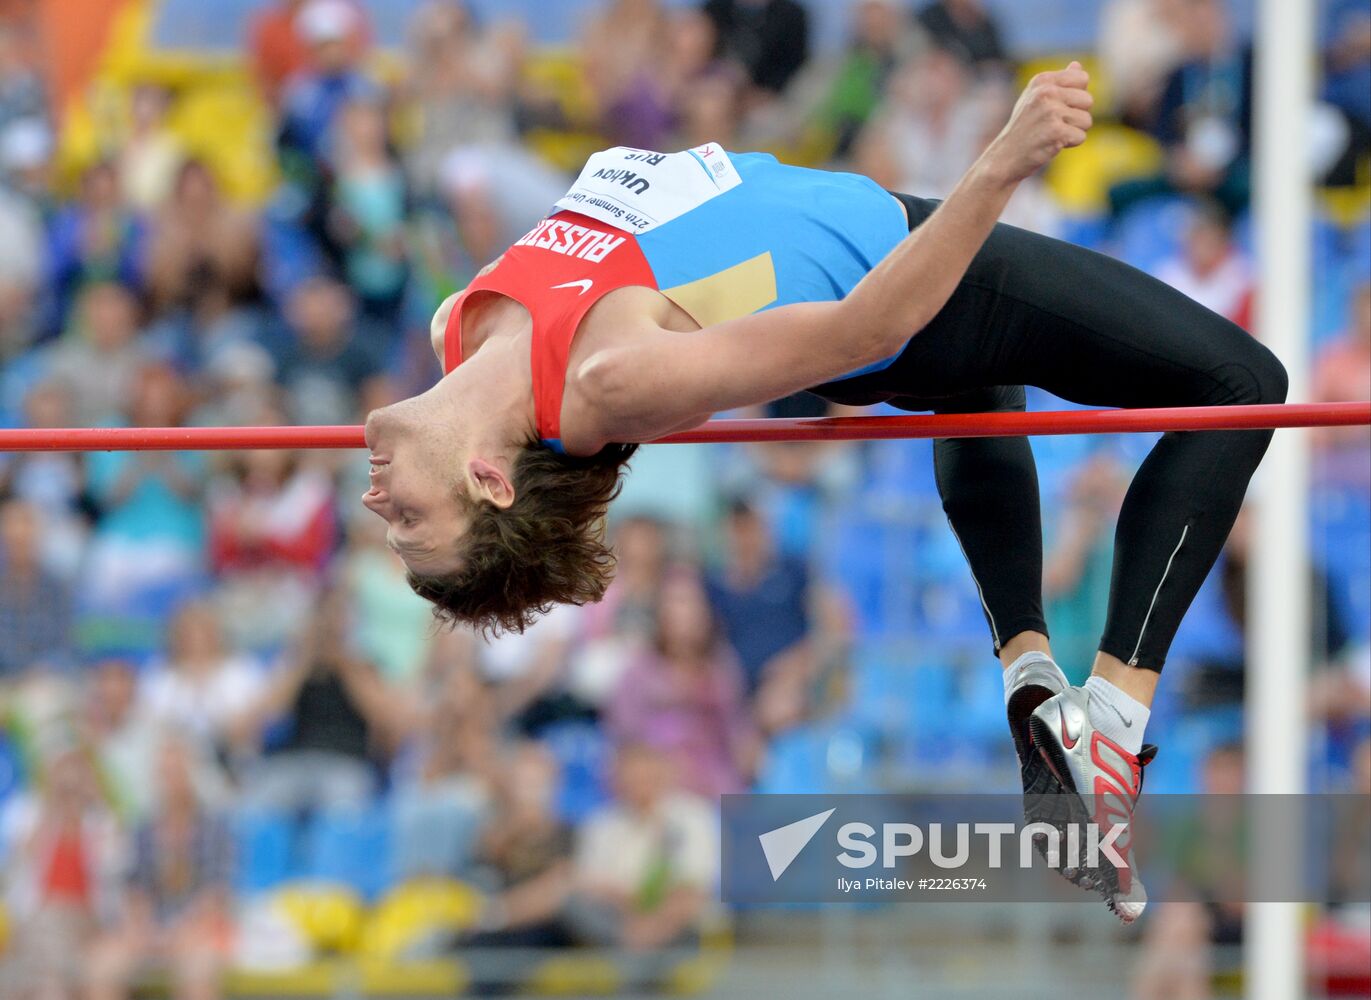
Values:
[(331, 78), (1351, 864), (770, 38), (151, 155), (35, 605), (524, 857), (645, 865), (96, 239), (271, 533), (762, 599), (1140, 46), (1204, 117), (200, 686), (122, 736), (1342, 373), (279, 50), (325, 362), (1077, 559), (22, 94), (528, 672), (1347, 80), (199, 242), (1210, 647), (611, 632), (440, 809), (1202, 910), (622, 51), (176, 909), (100, 359), (21, 252), (368, 201), (969, 32), (394, 625), (684, 696), (705, 89), (238, 386), (61, 867), (150, 534), (881, 41), (53, 482), (463, 82), (929, 129), (26, 151), (335, 711), (489, 196), (1210, 267)]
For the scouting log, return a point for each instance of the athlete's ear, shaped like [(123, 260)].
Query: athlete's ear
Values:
[(491, 482)]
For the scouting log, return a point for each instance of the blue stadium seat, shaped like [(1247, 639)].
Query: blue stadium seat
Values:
[(262, 843), (817, 759), (350, 848), (1152, 232), (1340, 537)]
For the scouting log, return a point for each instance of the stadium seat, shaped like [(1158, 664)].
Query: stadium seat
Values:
[(1341, 542), (328, 916), (263, 849), (349, 848), (1152, 232), (418, 913)]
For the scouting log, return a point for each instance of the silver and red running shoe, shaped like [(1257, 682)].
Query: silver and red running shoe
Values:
[(1076, 776)]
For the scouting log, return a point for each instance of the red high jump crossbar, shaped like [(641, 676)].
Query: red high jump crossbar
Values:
[(1188, 418)]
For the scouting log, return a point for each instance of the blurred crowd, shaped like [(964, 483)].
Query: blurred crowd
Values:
[(213, 677)]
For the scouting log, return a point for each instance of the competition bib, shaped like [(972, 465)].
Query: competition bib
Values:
[(637, 190)]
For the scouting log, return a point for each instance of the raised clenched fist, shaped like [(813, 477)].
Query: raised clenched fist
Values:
[(1052, 114)]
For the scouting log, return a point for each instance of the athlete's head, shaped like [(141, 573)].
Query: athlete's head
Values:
[(491, 535)]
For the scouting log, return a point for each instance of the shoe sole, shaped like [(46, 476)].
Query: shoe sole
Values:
[(1022, 704), (1051, 797)]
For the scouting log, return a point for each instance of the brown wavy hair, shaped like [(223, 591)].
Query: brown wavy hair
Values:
[(546, 548)]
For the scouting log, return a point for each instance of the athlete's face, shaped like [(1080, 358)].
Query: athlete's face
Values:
[(417, 488)]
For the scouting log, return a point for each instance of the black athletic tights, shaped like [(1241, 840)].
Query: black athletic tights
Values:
[(1036, 311)]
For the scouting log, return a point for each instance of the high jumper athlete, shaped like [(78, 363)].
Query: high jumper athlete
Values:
[(667, 287)]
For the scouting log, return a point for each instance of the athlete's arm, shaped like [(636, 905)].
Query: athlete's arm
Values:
[(651, 385)]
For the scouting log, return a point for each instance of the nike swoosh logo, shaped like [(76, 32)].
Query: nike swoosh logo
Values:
[(584, 285), (1068, 740), (1127, 723)]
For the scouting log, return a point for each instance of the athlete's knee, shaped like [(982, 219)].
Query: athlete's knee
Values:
[(1256, 377), (1274, 378), (1270, 380)]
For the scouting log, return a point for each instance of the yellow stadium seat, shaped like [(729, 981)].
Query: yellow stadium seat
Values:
[(330, 917), (1080, 178), (416, 910)]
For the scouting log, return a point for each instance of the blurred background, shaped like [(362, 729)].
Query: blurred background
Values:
[(236, 758)]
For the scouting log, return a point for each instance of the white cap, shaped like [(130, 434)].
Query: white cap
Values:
[(465, 170), (326, 21), (26, 143), (241, 361)]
